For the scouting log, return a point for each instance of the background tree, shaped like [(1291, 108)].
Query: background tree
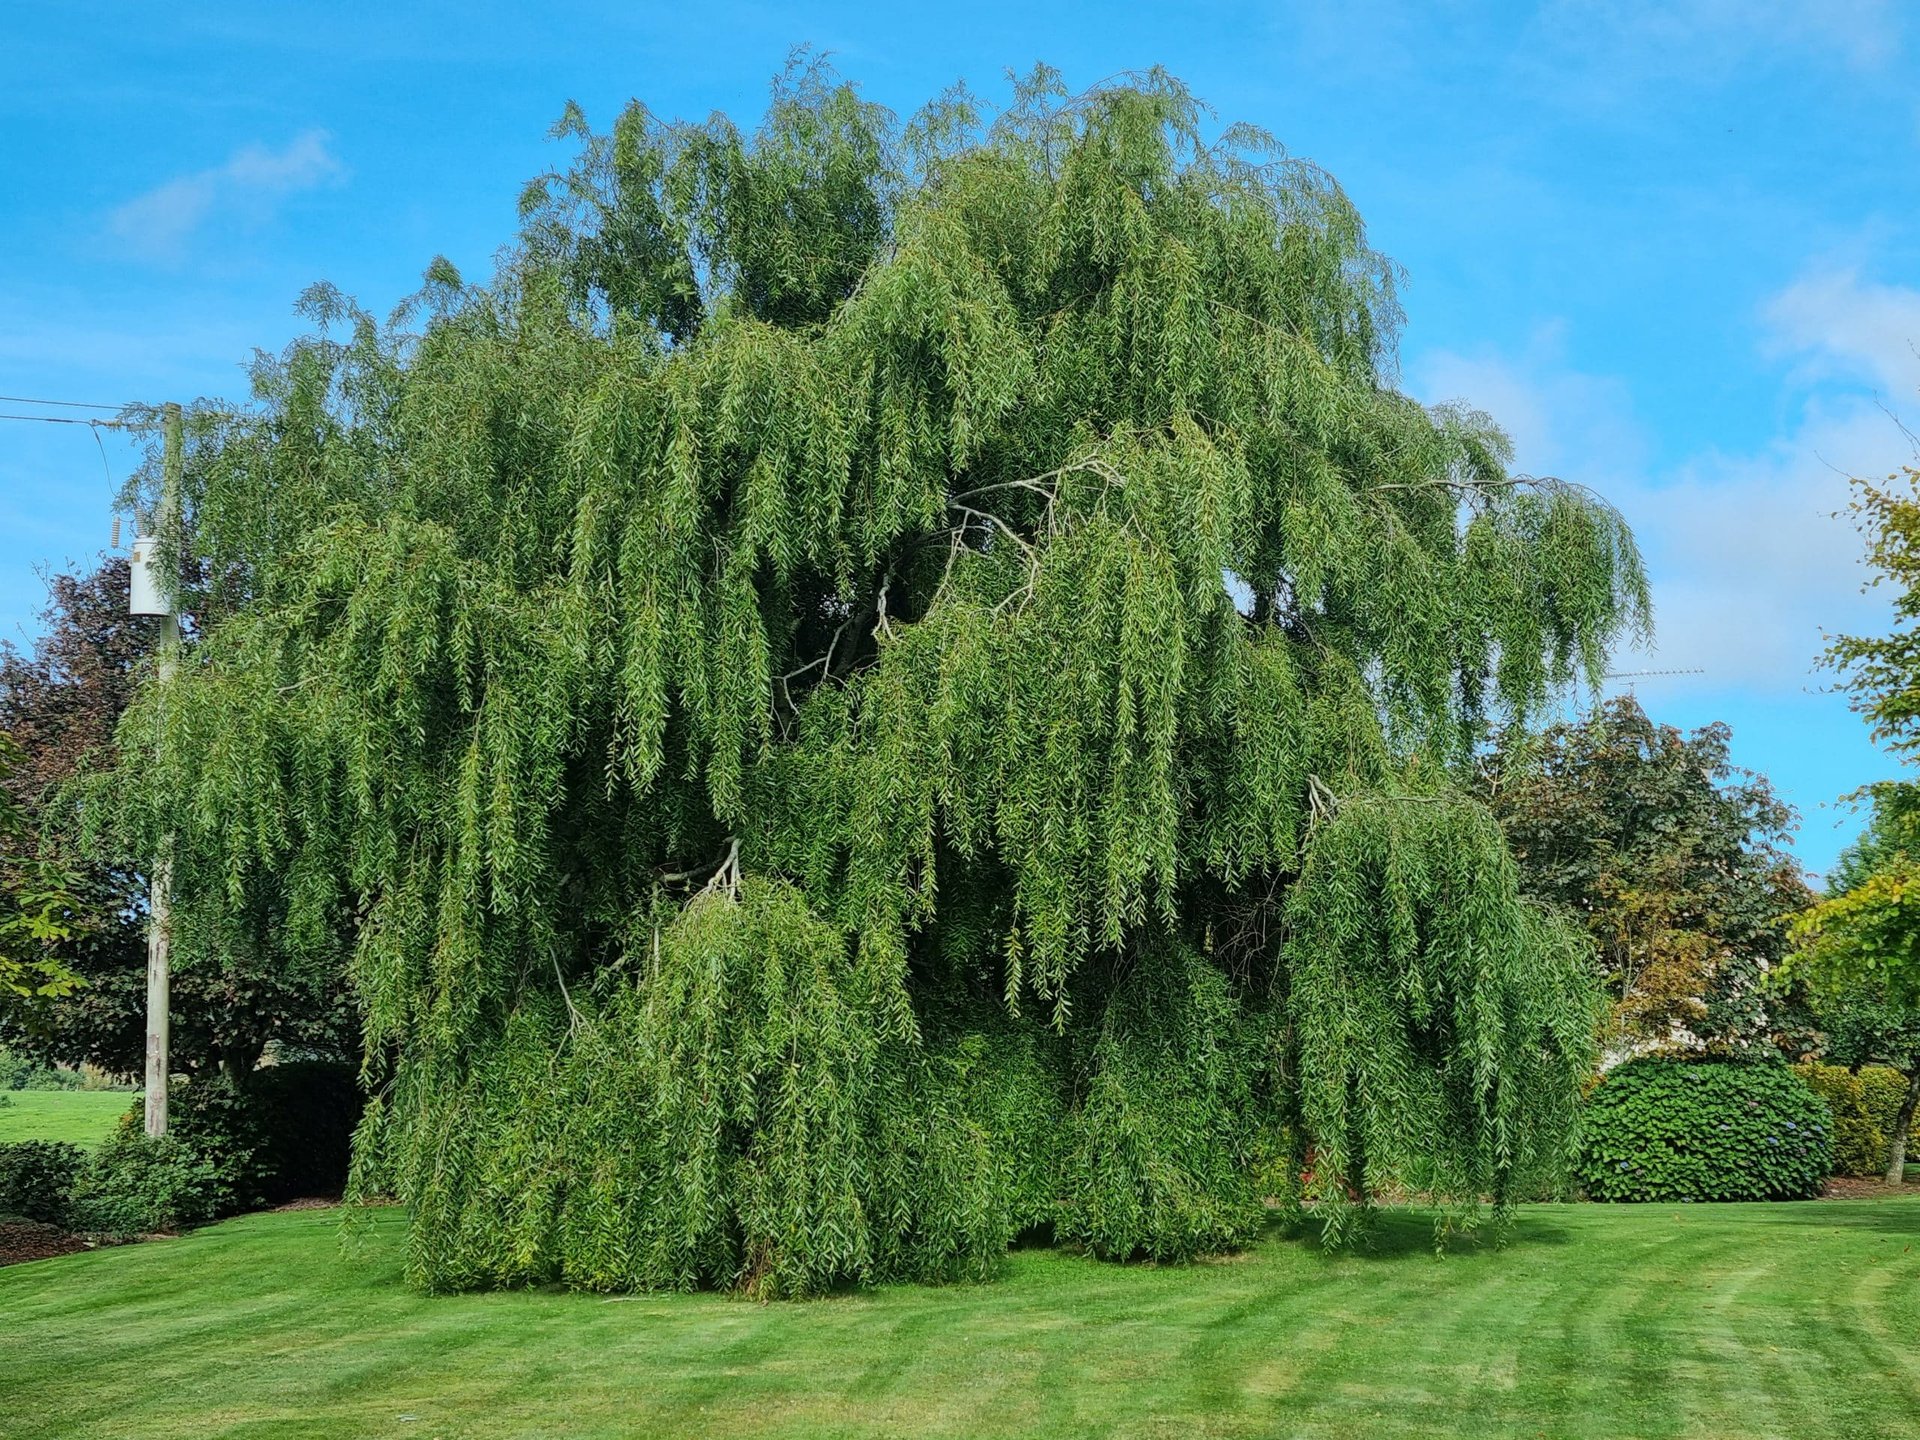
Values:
[(1881, 673), (760, 679), (1673, 859), (37, 908), (1858, 951), (62, 700), (1860, 946), (234, 990)]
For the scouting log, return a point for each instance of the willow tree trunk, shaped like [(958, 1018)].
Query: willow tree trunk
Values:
[(1902, 1123)]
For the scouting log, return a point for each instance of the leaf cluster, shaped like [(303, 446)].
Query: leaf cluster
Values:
[(1669, 1129)]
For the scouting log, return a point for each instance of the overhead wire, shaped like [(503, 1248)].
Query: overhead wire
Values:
[(65, 420), (144, 410), (64, 404)]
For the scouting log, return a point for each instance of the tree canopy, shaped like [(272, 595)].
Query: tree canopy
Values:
[(880, 687), (1857, 955), (1672, 858), (1881, 673), (1866, 932), (233, 989), (1858, 949)]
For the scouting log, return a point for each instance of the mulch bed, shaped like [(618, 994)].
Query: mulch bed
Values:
[(22, 1240), (1847, 1187)]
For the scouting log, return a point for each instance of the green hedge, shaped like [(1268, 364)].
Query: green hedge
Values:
[(1865, 1104), (17, 1072), (1662, 1129), (36, 1179), (137, 1184)]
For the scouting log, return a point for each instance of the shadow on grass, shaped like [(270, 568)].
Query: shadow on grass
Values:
[(1399, 1231), (1897, 1216)]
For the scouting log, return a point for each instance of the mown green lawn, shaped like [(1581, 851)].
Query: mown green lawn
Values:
[(80, 1117), (1722, 1321)]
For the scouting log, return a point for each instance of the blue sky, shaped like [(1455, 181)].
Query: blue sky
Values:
[(1674, 245)]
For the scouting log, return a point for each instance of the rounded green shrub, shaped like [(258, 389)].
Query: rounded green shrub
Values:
[(1667, 1129), (137, 1184), (1865, 1103)]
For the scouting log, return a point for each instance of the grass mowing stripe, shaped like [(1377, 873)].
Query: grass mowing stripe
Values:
[(1721, 1321)]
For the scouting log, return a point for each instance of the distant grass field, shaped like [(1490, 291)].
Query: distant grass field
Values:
[(80, 1117), (1708, 1321)]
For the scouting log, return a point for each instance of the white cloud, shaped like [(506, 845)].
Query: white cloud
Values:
[(247, 188), (1840, 325), (1561, 421), (1751, 563)]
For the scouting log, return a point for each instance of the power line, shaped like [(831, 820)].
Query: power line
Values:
[(125, 424), (63, 420), (65, 404), (1633, 677)]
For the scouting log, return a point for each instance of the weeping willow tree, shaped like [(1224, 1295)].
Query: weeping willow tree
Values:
[(883, 688)]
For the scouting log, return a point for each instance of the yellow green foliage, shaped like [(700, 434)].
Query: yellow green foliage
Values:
[(1865, 1104)]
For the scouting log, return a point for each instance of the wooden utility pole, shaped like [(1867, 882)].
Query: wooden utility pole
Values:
[(160, 892)]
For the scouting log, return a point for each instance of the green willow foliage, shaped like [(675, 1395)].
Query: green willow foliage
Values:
[(880, 689)]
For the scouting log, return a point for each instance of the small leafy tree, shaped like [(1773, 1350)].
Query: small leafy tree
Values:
[(761, 683), (234, 987), (1859, 948), (1673, 859), (37, 908), (1858, 951)]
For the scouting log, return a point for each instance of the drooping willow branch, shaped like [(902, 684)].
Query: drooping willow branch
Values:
[(755, 694)]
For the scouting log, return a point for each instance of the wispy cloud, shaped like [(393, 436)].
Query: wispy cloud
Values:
[(1838, 324), (1562, 421), (248, 188), (1752, 566), (1753, 562)]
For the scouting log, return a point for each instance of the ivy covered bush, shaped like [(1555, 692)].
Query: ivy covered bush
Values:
[(1675, 1129), (1865, 1104)]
